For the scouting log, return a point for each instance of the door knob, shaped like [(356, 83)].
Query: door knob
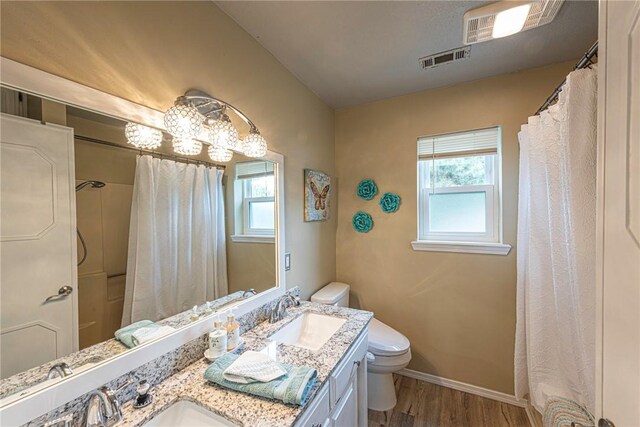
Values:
[(63, 292), (603, 422)]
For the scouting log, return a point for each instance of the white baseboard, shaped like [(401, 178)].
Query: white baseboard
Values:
[(468, 388)]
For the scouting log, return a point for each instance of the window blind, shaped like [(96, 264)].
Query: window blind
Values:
[(481, 141), (256, 169)]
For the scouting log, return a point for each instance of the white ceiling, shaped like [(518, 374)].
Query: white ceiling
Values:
[(350, 53)]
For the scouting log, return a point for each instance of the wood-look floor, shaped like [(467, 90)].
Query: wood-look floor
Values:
[(422, 404)]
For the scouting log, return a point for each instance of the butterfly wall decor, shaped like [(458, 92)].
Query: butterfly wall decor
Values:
[(317, 195)]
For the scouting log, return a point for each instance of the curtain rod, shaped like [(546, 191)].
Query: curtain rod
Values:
[(151, 153), (585, 62)]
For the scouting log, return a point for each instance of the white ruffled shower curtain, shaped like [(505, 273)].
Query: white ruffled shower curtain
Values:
[(177, 250), (555, 332)]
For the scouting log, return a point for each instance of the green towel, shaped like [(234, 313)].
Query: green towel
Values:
[(125, 335), (293, 388)]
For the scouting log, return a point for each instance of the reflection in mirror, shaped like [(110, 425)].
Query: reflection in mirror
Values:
[(106, 246)]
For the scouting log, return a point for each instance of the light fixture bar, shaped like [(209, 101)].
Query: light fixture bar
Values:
[(195, 95)]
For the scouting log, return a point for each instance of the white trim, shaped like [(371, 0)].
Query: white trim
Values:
[(246, 238), (31, 80), (493, 216), (246, 216), (462, 247), (467, 388), (600, 198)]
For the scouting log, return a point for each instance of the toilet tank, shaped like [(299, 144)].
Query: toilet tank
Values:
[(335, 293)]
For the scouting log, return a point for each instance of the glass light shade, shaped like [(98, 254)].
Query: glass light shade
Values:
[(183, 121), (254, 145), (141, 136), (187, 146), (223, 134), (510, 21), (220, 154)]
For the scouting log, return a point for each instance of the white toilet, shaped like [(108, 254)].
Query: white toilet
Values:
[(390, 350)]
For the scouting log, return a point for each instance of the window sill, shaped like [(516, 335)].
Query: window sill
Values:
[(462, 247), (241, 238)]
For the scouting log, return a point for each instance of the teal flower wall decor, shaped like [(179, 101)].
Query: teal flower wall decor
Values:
[(362, 222), (389, 202), (367, 189)]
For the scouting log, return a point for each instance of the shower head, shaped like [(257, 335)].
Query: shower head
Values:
[(92, 184)]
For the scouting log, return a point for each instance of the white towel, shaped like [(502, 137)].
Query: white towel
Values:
[(149, 333), (252, 367)]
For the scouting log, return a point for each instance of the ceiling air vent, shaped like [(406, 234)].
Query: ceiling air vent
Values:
[(479, 22), (432, 61)]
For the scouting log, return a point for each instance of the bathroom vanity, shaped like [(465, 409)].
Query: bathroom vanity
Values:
[(339, 398)]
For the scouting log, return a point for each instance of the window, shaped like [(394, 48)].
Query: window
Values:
[(459, 192), (258, 205), (254, 191)]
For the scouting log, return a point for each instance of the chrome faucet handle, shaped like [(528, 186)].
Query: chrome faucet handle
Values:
[(280, 309), (104, 408), (59, 370)]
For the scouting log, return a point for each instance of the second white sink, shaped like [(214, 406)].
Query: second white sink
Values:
[(309, 330), (185, 413)]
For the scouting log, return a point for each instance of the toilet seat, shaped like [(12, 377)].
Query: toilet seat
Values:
[(386, 341)]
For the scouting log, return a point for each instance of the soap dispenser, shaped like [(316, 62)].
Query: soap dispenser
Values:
[(218, 339), (233, 331)]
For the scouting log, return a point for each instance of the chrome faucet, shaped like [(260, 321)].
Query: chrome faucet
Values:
[(249, 293), (104, 408), (59, 370), (280, 309)]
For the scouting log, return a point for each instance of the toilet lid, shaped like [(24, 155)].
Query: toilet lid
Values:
[(386, 341)]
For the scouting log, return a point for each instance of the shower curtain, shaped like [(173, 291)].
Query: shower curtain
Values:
[(177, 251), (555, 331)]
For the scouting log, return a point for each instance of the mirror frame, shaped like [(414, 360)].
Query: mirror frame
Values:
[(45, 85)]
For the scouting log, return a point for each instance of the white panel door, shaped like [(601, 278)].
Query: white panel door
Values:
[(37, 244), (619, 181)]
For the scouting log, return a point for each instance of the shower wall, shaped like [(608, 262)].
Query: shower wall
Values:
[(103, 218)]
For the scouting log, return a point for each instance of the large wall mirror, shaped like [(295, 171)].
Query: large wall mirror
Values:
[(106, 247)]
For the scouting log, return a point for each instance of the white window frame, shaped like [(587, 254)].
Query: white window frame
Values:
[(246, 219), (244, 233), (488, 242)]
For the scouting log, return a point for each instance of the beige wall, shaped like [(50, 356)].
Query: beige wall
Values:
[(151, 52), (458, 310)]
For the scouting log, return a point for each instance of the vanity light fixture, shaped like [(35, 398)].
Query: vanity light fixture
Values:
[(223, 134), (183, 120), (143, 137), (220, 154), (187, 146), (254, 145), (196, 113)]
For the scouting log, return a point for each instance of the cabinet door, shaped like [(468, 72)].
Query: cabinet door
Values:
[(346, 411)]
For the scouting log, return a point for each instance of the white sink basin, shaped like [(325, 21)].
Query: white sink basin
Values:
[(310, 330), (185, 413)]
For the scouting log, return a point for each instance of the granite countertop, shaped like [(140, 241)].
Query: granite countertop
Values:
[(244, 409)]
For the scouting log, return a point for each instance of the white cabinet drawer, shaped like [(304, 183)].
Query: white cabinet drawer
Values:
[(316, 415), (342, 375)]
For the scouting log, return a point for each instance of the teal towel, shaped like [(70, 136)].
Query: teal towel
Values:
[(293, 388), (125, 335)]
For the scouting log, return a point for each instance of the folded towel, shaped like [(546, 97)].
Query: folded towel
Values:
[(292, 388), (560, 412), (149, 333), (253, 367), (125, 335)]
